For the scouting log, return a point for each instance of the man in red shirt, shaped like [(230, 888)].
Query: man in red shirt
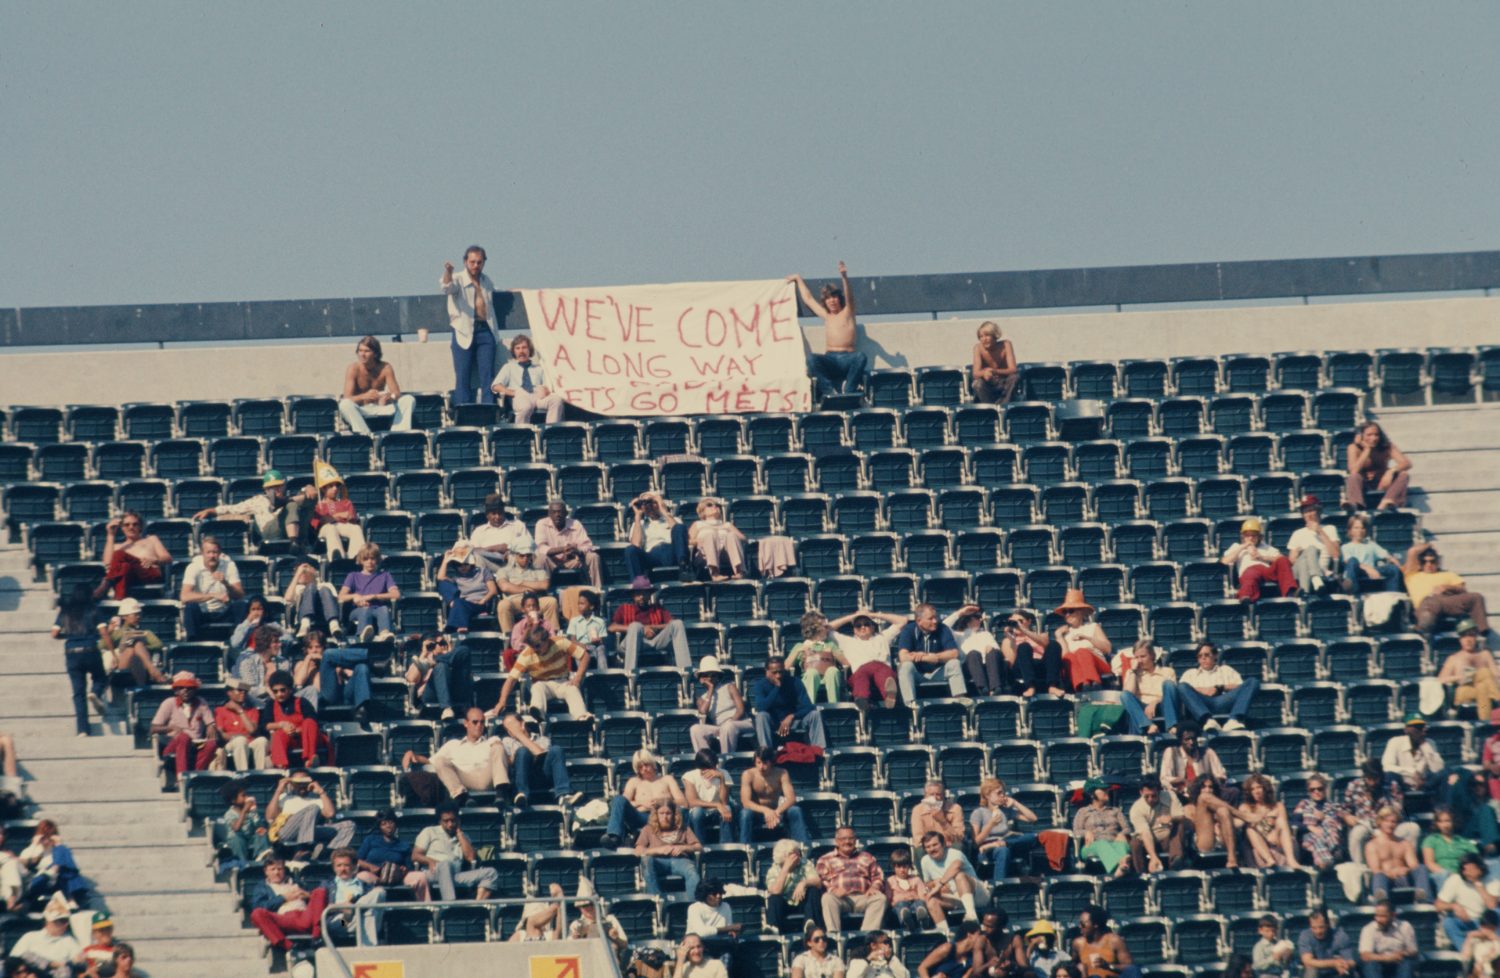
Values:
[(291, 717), (187, 721), (643, 620), (239, 727)]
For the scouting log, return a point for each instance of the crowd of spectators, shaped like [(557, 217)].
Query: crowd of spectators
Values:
[(541, 588)]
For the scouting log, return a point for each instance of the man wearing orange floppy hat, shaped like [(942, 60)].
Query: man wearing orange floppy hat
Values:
[(187, 721)]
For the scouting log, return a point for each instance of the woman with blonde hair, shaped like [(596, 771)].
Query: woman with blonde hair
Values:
[(717, 541), (370, 592)]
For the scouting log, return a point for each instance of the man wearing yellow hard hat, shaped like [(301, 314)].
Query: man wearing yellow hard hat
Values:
[(1258, 564)]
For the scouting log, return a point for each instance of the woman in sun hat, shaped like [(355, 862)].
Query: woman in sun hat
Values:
[(1085, 647)]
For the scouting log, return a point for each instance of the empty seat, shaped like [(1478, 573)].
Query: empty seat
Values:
[(926, 427), (1028, 421), (872, 428), (1149, 458), (1232, 414), (890, 388), (942, 386)]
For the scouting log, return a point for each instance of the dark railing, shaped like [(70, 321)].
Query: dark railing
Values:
[(885, 295)]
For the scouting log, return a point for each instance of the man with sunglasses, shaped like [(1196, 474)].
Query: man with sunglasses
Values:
[(291, 717), (140, 558), (439, 675), (474, 762), (1436, 593)]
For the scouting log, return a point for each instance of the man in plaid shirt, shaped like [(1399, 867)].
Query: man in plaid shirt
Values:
[(852, 881)]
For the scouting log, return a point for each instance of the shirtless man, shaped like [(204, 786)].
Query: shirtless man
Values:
[(768, 798), (371, 391), (1472, 672), (1393, 861), (995, 370), (1099, 951), (138, 559), (842, 369)]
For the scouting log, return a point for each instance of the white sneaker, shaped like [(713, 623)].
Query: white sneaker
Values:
[(1233, 725), (97, 703), (366, 633), (335, 629), (447, 713), (1210, 725), (1317, 583), (384, 636), (302, 628)]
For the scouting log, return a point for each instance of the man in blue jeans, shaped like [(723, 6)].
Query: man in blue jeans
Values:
[(525, 750), (468, 591), (449, 681), (842, 369), (1213, 689), (657, 539), (343, 674), (768, 799)]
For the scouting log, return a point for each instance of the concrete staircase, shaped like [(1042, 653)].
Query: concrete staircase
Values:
[(129, 838), (1455, 454)]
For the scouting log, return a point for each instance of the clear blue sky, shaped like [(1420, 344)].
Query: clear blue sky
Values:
[(156, 152)]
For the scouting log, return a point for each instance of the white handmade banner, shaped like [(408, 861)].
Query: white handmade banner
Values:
[(688, 348)]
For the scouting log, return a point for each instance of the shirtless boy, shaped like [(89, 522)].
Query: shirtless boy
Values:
[(842, 369), (371, 391), (995, 370)]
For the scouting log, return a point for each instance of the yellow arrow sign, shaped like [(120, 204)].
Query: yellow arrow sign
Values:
[(380, 969), (556, 966)]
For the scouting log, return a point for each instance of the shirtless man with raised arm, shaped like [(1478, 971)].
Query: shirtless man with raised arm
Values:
[(371, 391), (841, 370)]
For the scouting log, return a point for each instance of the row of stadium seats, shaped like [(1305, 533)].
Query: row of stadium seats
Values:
[(1399, 374)]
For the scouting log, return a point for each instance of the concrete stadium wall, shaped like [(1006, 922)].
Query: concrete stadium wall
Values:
[(259, 370), (535, 959)]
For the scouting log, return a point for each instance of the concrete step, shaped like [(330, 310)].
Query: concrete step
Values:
[(220, 955), (88, 821), (27, 659), (1457, 469), (57, 729), (131, 910), (95, 790)]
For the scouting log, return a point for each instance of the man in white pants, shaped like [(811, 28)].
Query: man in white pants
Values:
[(548, 661), (371, 391), (528, 385), (473, 762)]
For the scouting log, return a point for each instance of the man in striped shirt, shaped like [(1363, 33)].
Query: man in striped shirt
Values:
[(556, 666)]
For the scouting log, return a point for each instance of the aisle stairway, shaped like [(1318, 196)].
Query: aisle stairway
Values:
[(129, 838), (1455, 453)]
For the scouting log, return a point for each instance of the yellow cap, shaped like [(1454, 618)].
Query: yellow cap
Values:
[(1252, 525)]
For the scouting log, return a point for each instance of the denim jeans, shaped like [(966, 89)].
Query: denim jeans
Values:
[(639, 561), (354, 691), (82, 665), (1389, 580), (474, 367), (838, 373), (624, 817), (658, 866), (793, 826), (523, 770), (706, 821), (1167, 710), (460, 612), (318, 601), (450, 682), (1386, 969), (195, 615), (1017, 849), (1236, 703), (378, 615), (1381, 883), (1457, 929)]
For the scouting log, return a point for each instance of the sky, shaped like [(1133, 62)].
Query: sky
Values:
[(185, 152)]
